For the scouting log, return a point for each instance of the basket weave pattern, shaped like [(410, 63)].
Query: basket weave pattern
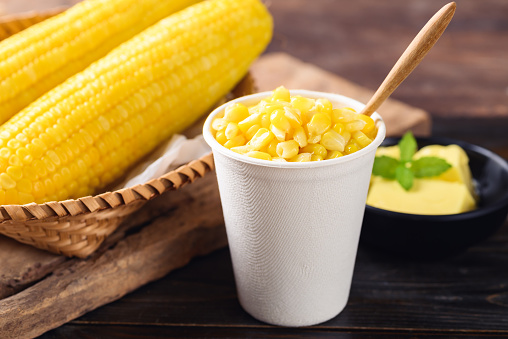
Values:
[(78, 227)]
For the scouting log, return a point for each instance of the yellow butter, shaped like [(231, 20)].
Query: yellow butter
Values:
[(427, 196), (449, 193), (390, 151), (455, 156)]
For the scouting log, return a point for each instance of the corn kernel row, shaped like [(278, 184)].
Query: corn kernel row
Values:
[(293, 128)]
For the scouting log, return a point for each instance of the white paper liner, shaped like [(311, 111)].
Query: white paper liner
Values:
[(177, 151)]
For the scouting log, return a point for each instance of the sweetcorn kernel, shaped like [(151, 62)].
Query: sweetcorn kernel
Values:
[(333, 141), (6, 181), (339, 127), (361, 139), (24, 185), (15, 172), (279, 134), (236, 113), (239, 140), (299, 136), (285, 128), (281, 94), (355, 125), (279, 159), (259, 155), (220, 136), (232, 130), (351, 147), (287, 149), (242, 149), (334, 155), (302, 157), (261, 139), (370, 125), (272, 148), (324, 106), (245, 124), (269, 107), (219, 124), (293, 117), (25, 198), (11, 194), (314, 149), (302, 104), (252, 131), (372, 134), (346, 135), (265, 121), (314, 140), (319, 124), (29, 173), (343, 115), (279, 120)]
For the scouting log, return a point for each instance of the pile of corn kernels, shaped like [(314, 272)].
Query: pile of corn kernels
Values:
[(293, 128)]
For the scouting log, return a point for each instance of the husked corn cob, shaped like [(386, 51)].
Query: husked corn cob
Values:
[(85, 132), (37, 59)]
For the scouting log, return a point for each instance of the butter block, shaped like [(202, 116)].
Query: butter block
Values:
[(455, 156), (449, 193), (427, 196), (390, 151)]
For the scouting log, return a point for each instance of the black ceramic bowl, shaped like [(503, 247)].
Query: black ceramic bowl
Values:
[(438, 236)]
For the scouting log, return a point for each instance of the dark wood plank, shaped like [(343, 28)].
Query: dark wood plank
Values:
[(149, 332), (464, 294), (22, 265)]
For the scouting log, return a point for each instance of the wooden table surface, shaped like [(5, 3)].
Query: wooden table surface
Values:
[(462, 83)]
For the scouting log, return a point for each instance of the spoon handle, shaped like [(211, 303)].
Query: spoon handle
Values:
[(412, 56)]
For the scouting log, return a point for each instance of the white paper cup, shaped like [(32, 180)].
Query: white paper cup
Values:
[(293, 228)]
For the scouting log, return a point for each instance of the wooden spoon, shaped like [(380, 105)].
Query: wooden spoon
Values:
[(412, 56)]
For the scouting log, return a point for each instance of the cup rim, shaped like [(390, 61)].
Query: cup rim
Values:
[(254, 98)]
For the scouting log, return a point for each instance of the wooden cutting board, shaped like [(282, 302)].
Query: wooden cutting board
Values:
[(40, 291)]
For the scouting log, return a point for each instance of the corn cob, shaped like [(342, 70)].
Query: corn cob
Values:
[(44, 55), (84, 133)]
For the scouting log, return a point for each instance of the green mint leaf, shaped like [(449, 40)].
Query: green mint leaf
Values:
[(404, 176), (429, 167), (385, 166), (407, 146)]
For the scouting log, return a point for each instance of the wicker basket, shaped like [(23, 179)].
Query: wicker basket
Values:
[(78, 227)]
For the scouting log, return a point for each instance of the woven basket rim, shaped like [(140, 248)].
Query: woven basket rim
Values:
[(169, 181)]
